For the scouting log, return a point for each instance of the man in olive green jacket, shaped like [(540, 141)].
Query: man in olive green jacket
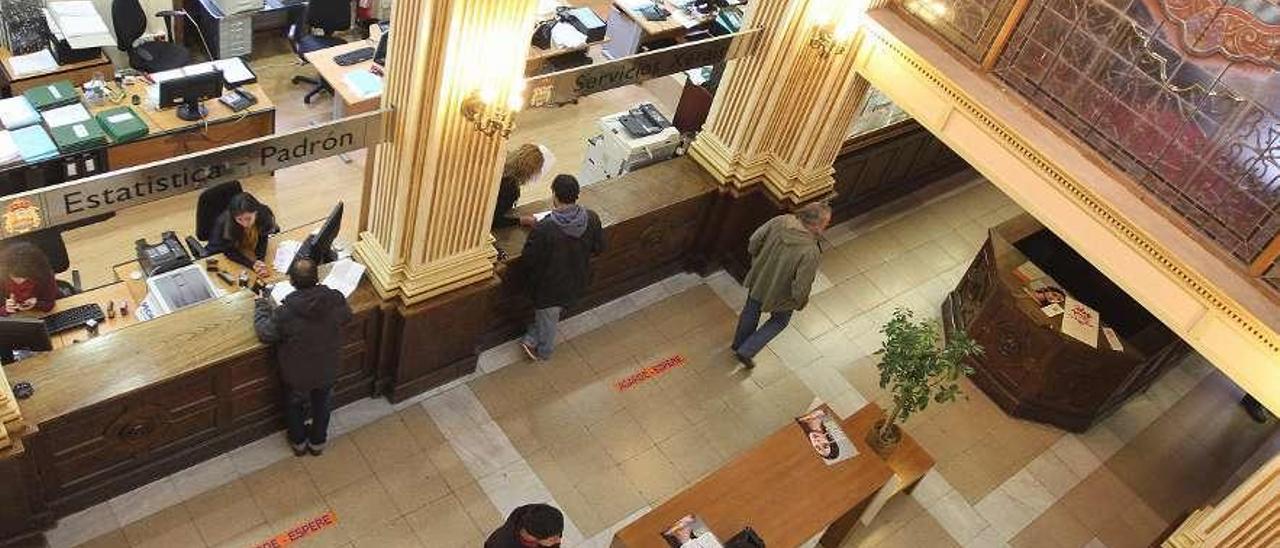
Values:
[(784, 261)]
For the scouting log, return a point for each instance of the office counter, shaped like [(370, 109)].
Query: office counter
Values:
[(146, 400), (78, 73)]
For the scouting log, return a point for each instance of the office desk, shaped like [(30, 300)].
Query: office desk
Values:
[(232, 35), (78, 73), (782, 490), (116, 293), (170, 136), (629, 29), (346, 101)]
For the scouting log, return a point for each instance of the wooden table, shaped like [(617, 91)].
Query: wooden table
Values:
[(346, 101), (624, 21), (170, 136), (77, 73), (783, 491)]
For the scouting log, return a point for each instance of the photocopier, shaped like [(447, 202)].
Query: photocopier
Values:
[(629, 141)]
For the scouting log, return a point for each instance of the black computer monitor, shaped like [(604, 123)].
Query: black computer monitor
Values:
[(21, 333), (380, 54), (188, 91), (319, 246)]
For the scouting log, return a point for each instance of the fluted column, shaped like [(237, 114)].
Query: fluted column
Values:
[(1247, 518), (433, 183), (781, 115), (10, 415)]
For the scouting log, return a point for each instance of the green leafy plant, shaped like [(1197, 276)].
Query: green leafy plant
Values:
[(917, 369)]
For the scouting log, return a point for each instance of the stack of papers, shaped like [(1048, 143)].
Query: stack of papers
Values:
[(65, 116), (33, 63), (80, 24), (234, 71), (8, 150), (34, 144), (17, 112), (365, 84), (344, 276)]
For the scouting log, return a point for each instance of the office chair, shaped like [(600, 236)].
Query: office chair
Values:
[(130, 23), (327, 15), (212, 202), (49, 241)]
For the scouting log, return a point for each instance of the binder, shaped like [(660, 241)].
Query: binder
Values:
[(122, 124), (34, 144), (79, 137), (17, 112), (57, 94)]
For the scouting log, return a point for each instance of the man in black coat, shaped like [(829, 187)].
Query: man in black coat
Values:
[(307, 332), (557, 256), (529, 526)]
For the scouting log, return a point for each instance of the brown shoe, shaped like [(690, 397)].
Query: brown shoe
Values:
[(745, 361)]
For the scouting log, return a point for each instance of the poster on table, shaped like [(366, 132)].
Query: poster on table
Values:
[(690, 532), (824, 434)]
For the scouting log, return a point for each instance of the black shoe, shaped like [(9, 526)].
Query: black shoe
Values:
[(315, 451), (745, 361), (299, 449)]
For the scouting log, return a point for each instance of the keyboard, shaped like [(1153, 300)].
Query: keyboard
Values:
[(72, 318), (352, 57)]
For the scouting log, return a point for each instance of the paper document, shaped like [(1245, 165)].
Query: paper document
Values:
[(1081, 322), (162, 76), (285, 251), (73, 8), (234, 71), (65, 116), (538, 217), (365, 84), (81, 24), (8, 150), (33, 63), (344, 276)]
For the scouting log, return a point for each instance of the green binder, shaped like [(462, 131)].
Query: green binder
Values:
[(57, 94), (79, 137), (122, 124)]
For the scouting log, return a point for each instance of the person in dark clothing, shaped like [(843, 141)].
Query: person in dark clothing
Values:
[(524, 165), (27, 279), (241, 232), (529, 526), (557, 256), (306, 330)]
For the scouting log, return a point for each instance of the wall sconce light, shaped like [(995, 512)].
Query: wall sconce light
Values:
[(834, 24), (490, 116)]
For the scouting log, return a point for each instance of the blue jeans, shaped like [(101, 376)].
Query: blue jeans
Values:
[(751, 336), (304, 404), (541, 336)]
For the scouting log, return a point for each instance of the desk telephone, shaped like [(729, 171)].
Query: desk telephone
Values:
[(644, 120), (238, 99), (162, 257)]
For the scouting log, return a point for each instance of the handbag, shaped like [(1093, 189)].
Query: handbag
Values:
[(542, 33), (746, 538)]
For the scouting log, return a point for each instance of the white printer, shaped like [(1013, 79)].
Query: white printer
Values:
[(616, 150)]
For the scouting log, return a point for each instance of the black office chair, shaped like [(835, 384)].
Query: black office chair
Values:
[(212, 202), (329, 16), (130, 22), (50, 242)]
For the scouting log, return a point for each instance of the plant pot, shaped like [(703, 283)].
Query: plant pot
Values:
[(884, 445)]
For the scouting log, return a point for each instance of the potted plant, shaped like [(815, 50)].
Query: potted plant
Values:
[(917, 369)]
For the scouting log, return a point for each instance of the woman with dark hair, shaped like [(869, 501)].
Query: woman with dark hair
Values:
[(27, 281), (821, 440), (241, 232)]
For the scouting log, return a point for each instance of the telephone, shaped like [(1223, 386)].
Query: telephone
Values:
[(644, 120), (654, 12), (162, 257), (238, 99)]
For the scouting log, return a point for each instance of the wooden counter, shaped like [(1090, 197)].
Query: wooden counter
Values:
[(141, 402), (77, 73), (1032, 369), (785, 492)]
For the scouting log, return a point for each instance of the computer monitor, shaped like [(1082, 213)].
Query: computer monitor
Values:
[(21, 333), (188, 91), (319, 246), (380, 54)]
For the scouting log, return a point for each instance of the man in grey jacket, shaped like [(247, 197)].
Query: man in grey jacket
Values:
[(784, 260)]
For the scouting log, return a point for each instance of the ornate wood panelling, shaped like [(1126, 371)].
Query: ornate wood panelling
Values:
[(884, 165)]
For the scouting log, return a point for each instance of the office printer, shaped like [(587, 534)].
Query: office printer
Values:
[(162, 257), (618, 149)]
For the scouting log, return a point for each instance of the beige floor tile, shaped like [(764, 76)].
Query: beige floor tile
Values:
[(478, 506), (580, 455), (451, 468), (838, 266), (394, 534), (654, 476), (253, 537), (494, 397), (896, 514), (362, 507), (385, 442), (225, 512), (812, 323), (836, 303), (422, 427), (924, 530), (444, 523), (692, 453), (790, 395), (972, 475), (340, 465), (659, 420), (1055, 528), (519, 430), (612, 494), (169, 527), (619, 434), (285, 493), (1098, 499), (412, 483), (114, 539)]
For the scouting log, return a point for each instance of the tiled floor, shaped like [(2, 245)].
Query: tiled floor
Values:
[(443, 469)]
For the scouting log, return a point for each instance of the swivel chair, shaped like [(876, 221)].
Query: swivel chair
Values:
[(212, 202), (327, 15), (130, 22)]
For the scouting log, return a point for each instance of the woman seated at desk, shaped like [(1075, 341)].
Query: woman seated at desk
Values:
[(524, 165), (27, 281), (241, 232)]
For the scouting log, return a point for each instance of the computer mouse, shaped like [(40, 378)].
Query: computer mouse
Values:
[(23, 390)]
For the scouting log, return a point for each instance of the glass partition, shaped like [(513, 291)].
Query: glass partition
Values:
[(877, 113)]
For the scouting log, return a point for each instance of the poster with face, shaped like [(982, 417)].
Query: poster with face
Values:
[(823, 432), (690, 532)]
